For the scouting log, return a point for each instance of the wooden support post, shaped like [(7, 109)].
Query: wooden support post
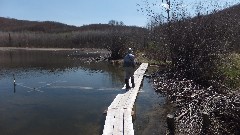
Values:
[(205, 122), (105, 111), (14, 84), (133, 113), (9, 38), (170, 124)]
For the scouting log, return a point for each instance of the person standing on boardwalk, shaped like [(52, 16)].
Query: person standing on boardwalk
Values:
[(129, 65)]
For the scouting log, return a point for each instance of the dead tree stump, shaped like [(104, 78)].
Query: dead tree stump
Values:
[(170, 124)]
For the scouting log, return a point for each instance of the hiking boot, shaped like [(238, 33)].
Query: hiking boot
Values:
[(133, 84), (127, 84)]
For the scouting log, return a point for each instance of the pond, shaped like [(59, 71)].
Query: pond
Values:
[(57, 93)]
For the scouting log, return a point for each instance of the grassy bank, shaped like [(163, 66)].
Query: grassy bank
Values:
[(230, 68)]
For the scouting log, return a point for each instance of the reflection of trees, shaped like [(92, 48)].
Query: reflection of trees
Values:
[(54, 62), (31, 59), (104, 66)]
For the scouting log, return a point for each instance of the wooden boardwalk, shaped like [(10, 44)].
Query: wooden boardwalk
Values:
[(119, 114)]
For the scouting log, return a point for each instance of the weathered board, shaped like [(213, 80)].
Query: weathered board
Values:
[(119, 119)]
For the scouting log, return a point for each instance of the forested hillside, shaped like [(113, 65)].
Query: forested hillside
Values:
[(195, 45), (14, 25), (203, 71), (115, 37)]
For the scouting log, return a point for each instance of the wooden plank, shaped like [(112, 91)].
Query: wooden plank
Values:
[(118, 125), (115, 122), (116, 101), (128, 125), (119, 114), (109, 123)]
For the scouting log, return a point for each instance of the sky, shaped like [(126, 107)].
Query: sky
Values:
[(84, 12)]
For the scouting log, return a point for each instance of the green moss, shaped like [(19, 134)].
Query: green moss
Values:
[(230, 68)]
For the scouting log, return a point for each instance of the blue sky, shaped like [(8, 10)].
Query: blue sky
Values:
[(83, 12)]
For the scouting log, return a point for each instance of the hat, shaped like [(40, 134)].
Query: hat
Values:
[(130, 50)]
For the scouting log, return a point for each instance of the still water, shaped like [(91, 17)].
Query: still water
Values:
[(55, 93)]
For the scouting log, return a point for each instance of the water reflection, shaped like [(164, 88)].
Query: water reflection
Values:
[(50, 60), (16, 61), (54, 93)]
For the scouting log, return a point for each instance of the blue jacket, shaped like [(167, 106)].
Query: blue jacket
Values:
[(128, 60)]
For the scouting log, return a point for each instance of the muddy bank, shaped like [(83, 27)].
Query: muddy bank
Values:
[(210, 110)]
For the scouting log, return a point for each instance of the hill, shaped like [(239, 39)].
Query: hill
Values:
[(194, 45), (203, 50), (14, 25)]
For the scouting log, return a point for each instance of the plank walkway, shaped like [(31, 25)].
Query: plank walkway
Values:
[(119, 119)]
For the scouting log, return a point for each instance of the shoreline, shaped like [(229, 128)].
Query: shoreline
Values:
[(53, 49)]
